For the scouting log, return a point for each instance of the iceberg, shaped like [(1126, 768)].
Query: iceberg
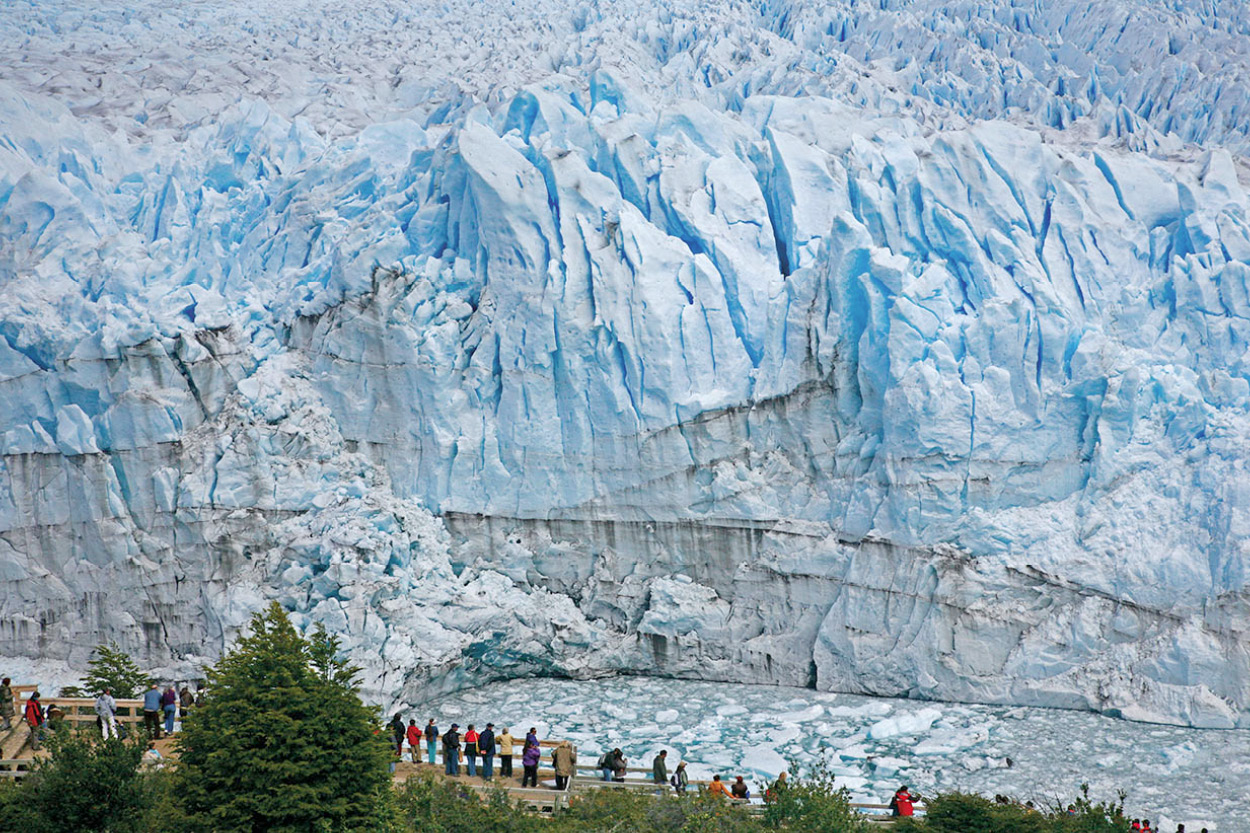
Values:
[(787, 344)]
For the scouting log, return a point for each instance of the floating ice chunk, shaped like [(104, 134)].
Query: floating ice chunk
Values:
[(764, 759), (667, 716), (905, 724)]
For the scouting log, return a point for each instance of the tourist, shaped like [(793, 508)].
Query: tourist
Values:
[(740, 790), (1180, 828), (605, 765), (152, 758), (486, 748), (55, 717), (451, 750), (532, 736), (169, 704), (106, 710), (397, 734), (34, 719), (185, 701), (431, 739), (1136, 825), (774, 792), (564, 762), (902, 803), (6, 704), (680, 779), (505, 753), (717, 787), (470, 750), (529, 761), (152, 712), (199, 696), (659, 769), (414, 740), (620, 764), (1145, 826)]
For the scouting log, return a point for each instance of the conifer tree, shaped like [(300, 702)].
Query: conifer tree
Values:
[(283, 741), (112, 668)]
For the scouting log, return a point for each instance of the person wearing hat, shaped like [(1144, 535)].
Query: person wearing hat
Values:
[(451, 750), (431, 740), (486, 748)]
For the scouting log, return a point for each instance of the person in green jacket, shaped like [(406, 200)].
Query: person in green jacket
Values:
[(659, 771)]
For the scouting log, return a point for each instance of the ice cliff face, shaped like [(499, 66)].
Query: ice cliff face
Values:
[(898, 350)]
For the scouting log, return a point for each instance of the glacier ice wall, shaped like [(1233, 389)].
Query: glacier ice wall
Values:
[(766, 342)]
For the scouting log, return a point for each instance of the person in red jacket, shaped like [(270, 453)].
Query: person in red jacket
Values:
[(34, 719), (901, 803), (414, 740)]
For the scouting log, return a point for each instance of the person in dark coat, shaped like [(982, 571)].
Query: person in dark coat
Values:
[(486, 748), (659, 768), (451, 750), (398, 730)]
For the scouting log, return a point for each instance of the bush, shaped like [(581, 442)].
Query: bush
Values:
[(86, 784), (813, 803), (282, 741), (964, 813), (627, 810), (428, 803)]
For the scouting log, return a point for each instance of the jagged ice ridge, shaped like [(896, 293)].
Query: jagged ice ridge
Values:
[(897, 349)]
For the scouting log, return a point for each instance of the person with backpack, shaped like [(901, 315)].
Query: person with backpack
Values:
[(414, 741), (451, 750), (680, 779), (604, 765), (34, 719), (106, 711), (397, 734), (901, 803), (431, 740), (659, 769), (470, 750), (740, 790), (505, 753), (529, 762), (486, 748)]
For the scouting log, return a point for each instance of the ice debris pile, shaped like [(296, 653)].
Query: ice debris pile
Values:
[(872, 745), (898, 350)]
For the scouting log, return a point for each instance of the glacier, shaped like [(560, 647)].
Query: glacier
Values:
[(896, 350)]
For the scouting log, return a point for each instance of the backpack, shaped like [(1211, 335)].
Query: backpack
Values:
[(672, 779), (603, 761)]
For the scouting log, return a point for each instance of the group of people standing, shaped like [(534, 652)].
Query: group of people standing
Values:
[(474, 748)]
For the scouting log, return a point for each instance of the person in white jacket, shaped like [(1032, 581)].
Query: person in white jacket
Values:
[(106, 710)]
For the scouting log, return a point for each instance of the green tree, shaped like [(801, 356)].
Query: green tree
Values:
[(113, 668), (86, 784), (813, 802), (283, 742)]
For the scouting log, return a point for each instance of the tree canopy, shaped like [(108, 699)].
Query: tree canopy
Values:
[(283, 741)]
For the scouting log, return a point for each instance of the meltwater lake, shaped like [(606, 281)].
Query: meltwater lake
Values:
[(1197, 776)]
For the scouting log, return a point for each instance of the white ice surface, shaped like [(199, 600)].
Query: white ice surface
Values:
[(1195, 776), (899, 350)]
